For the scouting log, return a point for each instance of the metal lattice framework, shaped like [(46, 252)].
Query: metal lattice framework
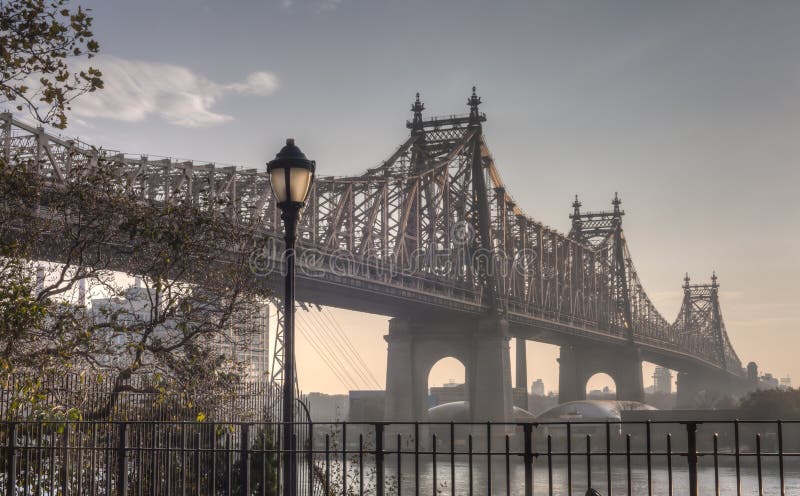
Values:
[(435, 224), (700, 321)]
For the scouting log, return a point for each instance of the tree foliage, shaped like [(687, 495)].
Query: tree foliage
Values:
[(771, 404), (178, 330), (39, 39)]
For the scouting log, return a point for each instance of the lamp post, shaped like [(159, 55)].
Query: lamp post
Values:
[(290, 175)]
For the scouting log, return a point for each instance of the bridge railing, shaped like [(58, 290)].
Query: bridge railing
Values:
[(559, 457)]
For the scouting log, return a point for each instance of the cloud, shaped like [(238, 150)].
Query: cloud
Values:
[(136, 90), (317, 6), (258, 83)]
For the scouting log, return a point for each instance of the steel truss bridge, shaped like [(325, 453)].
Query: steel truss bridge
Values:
[(432, 229)]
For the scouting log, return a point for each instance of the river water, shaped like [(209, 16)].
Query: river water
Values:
[(639, 479)]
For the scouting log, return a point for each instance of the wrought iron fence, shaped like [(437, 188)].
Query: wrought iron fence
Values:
[(554, 458), (25, 396)]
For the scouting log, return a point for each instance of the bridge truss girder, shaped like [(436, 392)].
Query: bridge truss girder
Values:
[(434, 219)]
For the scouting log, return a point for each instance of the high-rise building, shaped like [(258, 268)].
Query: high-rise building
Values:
[(662, 380), (537, 388), (253, 353), (786, 382), (249, 329)]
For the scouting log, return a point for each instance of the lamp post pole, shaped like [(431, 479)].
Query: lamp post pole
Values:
[(290, 175), (289, 217)]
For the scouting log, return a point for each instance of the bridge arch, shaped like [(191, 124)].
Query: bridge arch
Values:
[(601, 381), (447, 381), (448, 368)]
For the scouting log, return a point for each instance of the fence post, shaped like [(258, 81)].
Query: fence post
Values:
[(65, 466), (122, 460), (245, 459), (379, 487), (310, 457), (197, 471), (11, 460), (527, 429), (691, 436)]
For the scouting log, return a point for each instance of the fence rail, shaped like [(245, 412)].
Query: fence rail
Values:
[(554, 458)]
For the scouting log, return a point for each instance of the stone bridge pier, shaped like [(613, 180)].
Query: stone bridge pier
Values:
[(480, 344), (578, 363)]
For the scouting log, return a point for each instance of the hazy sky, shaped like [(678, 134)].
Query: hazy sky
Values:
[(690, 109)]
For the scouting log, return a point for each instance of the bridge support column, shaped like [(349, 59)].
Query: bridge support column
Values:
[(414, 346), (570, 385), (490, 373), (578, 363), (406, 394), (520, 392)]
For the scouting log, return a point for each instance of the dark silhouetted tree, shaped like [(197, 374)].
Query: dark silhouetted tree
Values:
[(771, 404)]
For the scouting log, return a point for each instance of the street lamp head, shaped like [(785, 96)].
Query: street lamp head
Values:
[(291, 175)]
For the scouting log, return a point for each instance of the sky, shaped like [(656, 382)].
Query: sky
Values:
[(689, 109)]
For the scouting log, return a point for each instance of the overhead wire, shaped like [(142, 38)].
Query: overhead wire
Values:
[(334, 350), (340, 348), (329, 341), (336, 326), (331, 361)]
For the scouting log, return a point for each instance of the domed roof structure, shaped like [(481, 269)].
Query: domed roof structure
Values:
[(455, 411), (458, 411)]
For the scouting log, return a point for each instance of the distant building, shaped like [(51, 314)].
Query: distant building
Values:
[(767, 381), (135, 305), (786, 382), (366, 406), (662, 380), (328, 407), (752, 373), (605, 394), (537, 388), (447, 393)]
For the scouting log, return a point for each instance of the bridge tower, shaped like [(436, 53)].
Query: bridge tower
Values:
[(700, 321), (578, 362), (481, 343)]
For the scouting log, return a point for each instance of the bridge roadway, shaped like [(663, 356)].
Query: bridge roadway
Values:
[(363, 294), (478, 269)]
